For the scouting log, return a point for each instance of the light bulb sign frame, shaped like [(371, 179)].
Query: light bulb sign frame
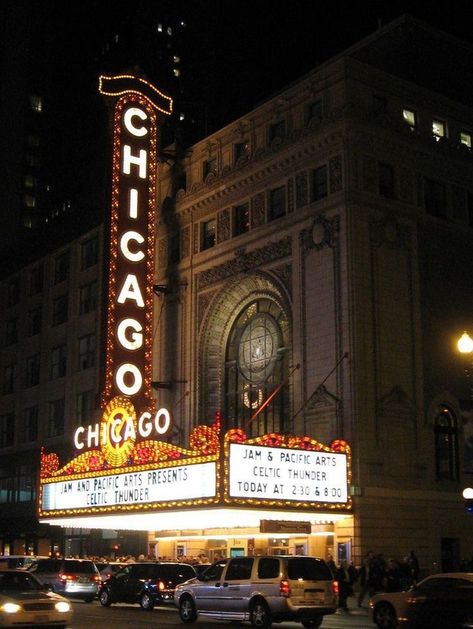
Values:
[(123, 463)]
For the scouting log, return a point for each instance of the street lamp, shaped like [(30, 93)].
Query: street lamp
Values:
[(465, 343)]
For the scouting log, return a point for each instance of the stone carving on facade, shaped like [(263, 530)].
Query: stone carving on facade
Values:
[(302, 189), (185, 242), (223, 225), (290, 195), (321, 397), (389, 232), (335, 173), (244, 262), (284, 275), (396, 405), (196, 238), (258, 210), (322, 234), (204, 300)]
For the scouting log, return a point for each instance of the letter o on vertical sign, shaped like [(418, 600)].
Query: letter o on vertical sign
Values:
[(128, 368)]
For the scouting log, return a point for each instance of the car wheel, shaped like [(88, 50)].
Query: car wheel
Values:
[(105, 599), (312, 623), (187, 610), (260, 616), (384, 616), (146, 602)]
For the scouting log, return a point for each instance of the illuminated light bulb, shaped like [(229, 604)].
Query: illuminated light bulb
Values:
[(465, 343)]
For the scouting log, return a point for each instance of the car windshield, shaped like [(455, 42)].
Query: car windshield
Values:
[(18, 582), (308, 569)]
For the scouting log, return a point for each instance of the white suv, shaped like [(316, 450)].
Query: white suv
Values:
[(260, 589)]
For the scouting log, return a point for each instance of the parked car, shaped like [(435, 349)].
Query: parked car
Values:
[(440, 601), (260, 589), (74, 578), (18, 561), (109, 568), (26, 602), (200, 568), (145, 582)]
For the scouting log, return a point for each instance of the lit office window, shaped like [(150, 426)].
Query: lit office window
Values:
[(439, 129), (465, 138), (36, 103), (410, 118)]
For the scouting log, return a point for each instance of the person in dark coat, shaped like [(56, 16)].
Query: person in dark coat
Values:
[(345, 587)]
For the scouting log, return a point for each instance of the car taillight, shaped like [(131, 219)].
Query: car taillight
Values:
[(335, 587), (160, 585), (284, 588), (96, 577), (68, 577)]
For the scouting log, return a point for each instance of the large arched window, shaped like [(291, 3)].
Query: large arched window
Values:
[(256, 363), (446, 445)]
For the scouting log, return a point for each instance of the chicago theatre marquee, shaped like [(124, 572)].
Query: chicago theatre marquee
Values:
[(222, 490)]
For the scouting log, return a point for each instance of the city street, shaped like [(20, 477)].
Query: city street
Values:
[(89, 616)]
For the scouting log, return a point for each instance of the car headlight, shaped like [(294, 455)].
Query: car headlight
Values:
[(62, 606), (10, 608)]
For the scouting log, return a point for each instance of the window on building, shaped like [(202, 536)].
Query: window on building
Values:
[(386, 181), (13, 292), (29, 181), (277, 131), (88, 297), (33, 322), (11, 331), (319, 183), (9, 378), (380, 104), (446, 445), (410, 118), (256, 363), (86, 351), (439, 130), (209, 167), (241, 219), (60, 306), (241, 150), (36, 103), (55, 426), (29, 201), (33, 140), (7, 429), (314, 110), (29, 428), (465, 138), (435, 197), (89, 253), (32, 370), (85, 404), (58, 362), (36, 280), (18, 485), (277, 203), (61, 267), (209, 234)]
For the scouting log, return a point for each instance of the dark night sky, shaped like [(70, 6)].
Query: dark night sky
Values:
[(243, 51)]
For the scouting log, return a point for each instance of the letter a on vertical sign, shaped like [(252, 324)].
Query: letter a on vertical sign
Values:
[(137, 108)]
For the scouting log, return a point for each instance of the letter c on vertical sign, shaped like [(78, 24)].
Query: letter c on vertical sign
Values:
[(131, 113)]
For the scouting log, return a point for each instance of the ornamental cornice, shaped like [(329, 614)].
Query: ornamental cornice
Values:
[(225, 187), (244, 262)]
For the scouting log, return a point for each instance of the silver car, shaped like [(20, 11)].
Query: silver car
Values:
[(74, 578), (260, 589)]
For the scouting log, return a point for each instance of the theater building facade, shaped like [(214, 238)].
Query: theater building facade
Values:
[(279, 367)]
